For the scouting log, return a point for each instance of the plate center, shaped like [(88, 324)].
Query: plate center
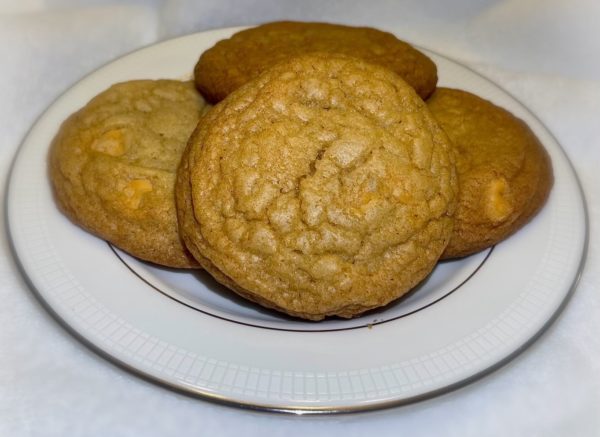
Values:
[(198, 290)]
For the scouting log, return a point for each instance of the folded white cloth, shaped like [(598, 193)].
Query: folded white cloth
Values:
[(543, 52)]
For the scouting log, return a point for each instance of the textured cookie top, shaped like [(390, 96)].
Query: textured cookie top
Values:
[(113, 166), (235, 61), (324, 187), (505, 174)]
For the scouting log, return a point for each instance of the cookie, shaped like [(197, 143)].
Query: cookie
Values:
[(324, 187), (113, 164), (504, 172), (234, 61)]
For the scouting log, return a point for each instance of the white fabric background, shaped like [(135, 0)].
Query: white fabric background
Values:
[(545, 52)]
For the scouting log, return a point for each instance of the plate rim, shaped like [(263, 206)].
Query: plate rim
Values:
[(196, 392)]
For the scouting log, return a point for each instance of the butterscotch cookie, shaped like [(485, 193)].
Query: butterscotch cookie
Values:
[(234, 61), (324, 187), (113, 164), (504, 172)]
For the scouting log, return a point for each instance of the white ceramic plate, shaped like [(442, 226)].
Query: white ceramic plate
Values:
[(183, 330)]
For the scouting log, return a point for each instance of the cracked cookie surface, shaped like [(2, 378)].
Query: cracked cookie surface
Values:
[(236, 60), (113, 163), (324, 187), (504, 172)]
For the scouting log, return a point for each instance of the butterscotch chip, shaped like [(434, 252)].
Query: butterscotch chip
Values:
[(233, 62), (324, 187), (504, 172), (113, 163)]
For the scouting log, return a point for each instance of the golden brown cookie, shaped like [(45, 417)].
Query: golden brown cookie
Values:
[(234, 61), (113, 164), (324, 187), (504, 172)]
